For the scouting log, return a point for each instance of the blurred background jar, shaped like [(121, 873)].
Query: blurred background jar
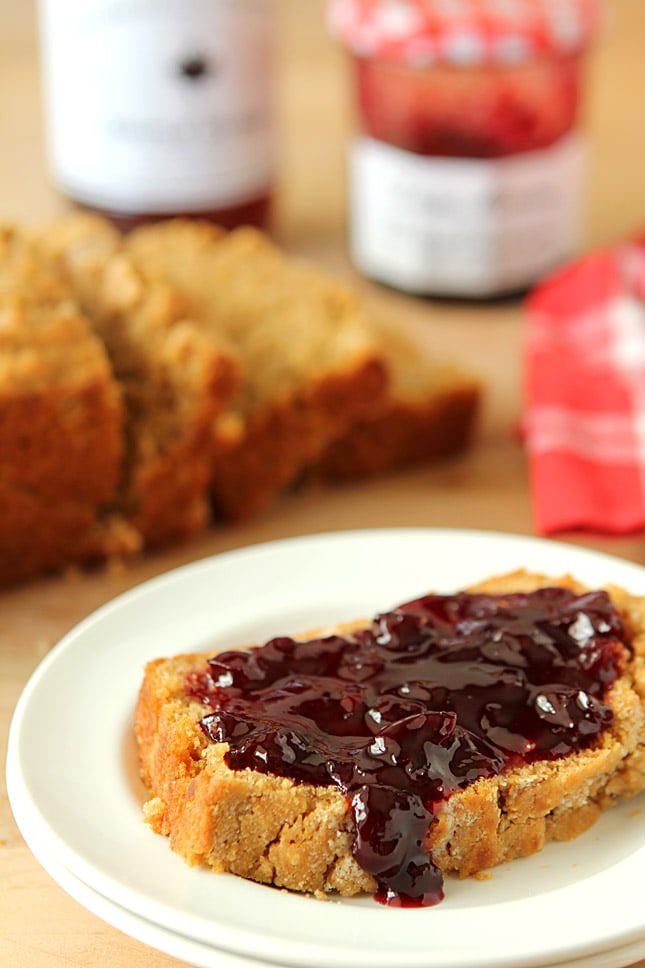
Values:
[(466, 178), (160, 107)]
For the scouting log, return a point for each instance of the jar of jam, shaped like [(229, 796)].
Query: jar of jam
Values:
[(160, 109), (466, 176)]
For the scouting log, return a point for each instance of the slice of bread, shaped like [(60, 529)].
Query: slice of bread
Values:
[(174, 381), (299, 836), (311, 365), (427, 413), (61, 423)]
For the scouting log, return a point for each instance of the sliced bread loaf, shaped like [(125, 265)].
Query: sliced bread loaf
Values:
[(311, 365)]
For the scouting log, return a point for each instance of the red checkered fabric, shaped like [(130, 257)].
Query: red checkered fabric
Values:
[(463, 31), (585, 394)]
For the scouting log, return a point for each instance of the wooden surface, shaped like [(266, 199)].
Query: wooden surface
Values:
[(40, 926)]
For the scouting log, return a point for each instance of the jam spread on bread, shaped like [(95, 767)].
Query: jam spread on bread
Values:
[(427, 699)]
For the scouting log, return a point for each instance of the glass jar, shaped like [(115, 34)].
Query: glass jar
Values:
[(158, 108), (466, 177)]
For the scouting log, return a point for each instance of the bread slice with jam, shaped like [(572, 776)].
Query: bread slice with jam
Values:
[(446, 736)]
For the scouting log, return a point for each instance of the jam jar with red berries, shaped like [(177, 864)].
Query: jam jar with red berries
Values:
[(466, 177)]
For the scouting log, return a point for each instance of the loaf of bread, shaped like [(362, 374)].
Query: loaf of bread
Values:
[(146, 379), (174, 380), (61, 423), (301, 836), (311, 365)]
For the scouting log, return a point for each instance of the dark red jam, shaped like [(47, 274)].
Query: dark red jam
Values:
[(426, 700), (488, 112)]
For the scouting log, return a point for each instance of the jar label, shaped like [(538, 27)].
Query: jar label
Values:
[(158, 105), (461, 226)]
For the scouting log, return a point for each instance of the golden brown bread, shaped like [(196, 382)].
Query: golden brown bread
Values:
[(311, 365), (61, 423), (300, 836), (174, 381), (428, 412), (141, 377)]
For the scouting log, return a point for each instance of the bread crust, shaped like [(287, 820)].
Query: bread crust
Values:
[(427, 413), (300, 837), (61, 422)]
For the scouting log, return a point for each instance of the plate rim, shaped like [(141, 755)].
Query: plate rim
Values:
[(149, 933), (186, 572)]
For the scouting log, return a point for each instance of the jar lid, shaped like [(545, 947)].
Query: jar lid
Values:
[(463, 32)]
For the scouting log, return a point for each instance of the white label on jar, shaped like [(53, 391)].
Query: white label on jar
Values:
[(460, 226), (158, 105)]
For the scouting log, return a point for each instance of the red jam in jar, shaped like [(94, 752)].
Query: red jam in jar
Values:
[(466, 176)]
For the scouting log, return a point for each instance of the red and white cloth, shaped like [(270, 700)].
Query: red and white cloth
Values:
[(585, 394), (463, 32)]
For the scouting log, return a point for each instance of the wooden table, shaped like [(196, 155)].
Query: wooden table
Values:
[(40, 926)]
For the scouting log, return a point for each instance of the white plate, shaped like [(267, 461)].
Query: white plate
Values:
[(204, 956), (71, 760), (163, 939)]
